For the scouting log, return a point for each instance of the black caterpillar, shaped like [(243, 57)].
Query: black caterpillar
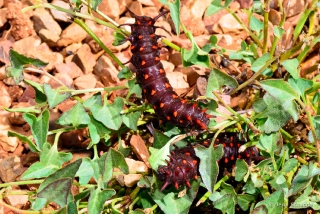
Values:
[(152, 77), (183, 164)]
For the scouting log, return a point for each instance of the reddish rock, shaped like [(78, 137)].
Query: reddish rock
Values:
[(110, 8), (16, 117), (85, 81), (198, 8), (178, 80), (63, 77), (150, 11), (5, 99), (245, 4), (139, 148), (106, 72), (28, 94), (42, 19), (123, 5), (293, 7), (5, 46), (66, 105), (15, 92), (3, 74), (136, 8), (24, 46), (69, 68), (72, 34), (48, 37), (85, 59), (3, 19), (10, 168), (8, 144), (229, 24), (147, 2), (17, 201), (58, 15), (73, 48)]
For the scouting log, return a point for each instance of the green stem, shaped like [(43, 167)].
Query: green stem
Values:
[(170, 44), (16, 210), (107, 89), (17, 183), (307, 48), (266, 26), (254, 37), (95, 38)]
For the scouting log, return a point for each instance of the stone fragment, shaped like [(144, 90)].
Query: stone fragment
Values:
[(29, 158), (1, 3), (58, 15), (63, 77), (136, 166), (150, 11), (85, 81), (48, 37), (139, 148), (147, 2), (20, 24), (136, 8), (162, 32), (17, 201), (229, 24), (73, 48), (293, 7), (3, 74), (123, 5), (198, 8), (128, 180), (245, 4), (5, 99), (3, 19), (178, 80), (168, 66), (23, 46), (274, 17), (106, 71), (110, 8), (28, 94), (8, 144), (66, 105), (5, 46), (10, 168), (72, 34), (85, 59), (16, 117), (42, 19), (69, 68)]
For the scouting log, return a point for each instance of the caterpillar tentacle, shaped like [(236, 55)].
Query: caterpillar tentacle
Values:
[(152, 77)]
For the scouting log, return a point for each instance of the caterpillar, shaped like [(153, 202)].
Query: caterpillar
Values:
[(151, 76), (183, 164)]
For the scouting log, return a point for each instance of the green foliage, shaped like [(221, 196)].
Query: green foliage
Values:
[(280, 97)]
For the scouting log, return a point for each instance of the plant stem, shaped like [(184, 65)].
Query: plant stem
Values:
[(266, 26), (17, 183), (276, 39), (91, 33), (46, 74), (254, 37)]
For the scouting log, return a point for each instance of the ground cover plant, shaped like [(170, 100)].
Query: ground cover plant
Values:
[(244, 139)]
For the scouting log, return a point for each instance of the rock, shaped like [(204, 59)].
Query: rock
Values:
[(10, 168), (73, 48), (274, 17), (110, 8), (193, 73), (136, 166), (198, 7), (139, 148), (29, 158), (229, 24), (20, 24), (151, 12), (3, 74), (309, 65), (3, 19), (146, 2), (168, 66), (5, 99), (162, 32), (106, 72), (44, 53), (293, 7), (123, 4), (228, 42), (66, 105), (48, 37), (136, 8), (28, 94), (1, 3), (69, 68), (178, 80), (15, 92), (58, 15), (85, 81), (24, 46), (63, 77), (85, 59), (42, 19), (175, 58), (128, 180), (245, 4), (17, 201), (5, 46), (72, 34), (193, 24), (8, 144)]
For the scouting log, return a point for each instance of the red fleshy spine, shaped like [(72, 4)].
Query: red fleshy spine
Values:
[(183, 164), (152, 77)]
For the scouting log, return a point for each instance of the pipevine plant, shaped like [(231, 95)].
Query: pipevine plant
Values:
[(286, 176)]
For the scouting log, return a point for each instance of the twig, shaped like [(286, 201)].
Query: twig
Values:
[(46, 74)]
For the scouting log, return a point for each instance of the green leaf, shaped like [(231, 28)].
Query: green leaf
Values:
[(40, 96), (241, 169), (244, 201), (95, 99), (95, 4), (24, 139), (125, 73), (255, 24), (291, 65), (217, 79), (39, 126), (226, 204), (131, 119), (98, 198), (85, 171), (109, 114), (300, 85), (50, 161), (76, 116), (174, 7), (271, 114), (18, 61), (54, 96), (215, 6), (119, 39), (114, 159), (160, 140), (274, 203), (31, 109), (290, 165), (208, 167), (278, 31), (260, 62), (134, 89), (158, 156), (268, 142), (57, 191), (300, 181), (305, 201), (195, 56), (284, 93), (101, 130)]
